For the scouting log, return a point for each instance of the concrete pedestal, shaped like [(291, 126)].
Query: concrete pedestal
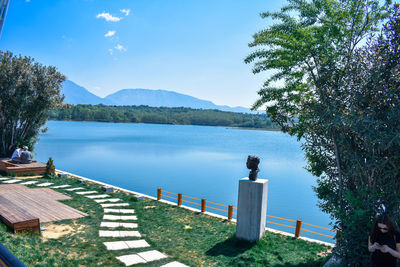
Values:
[(252, 209)]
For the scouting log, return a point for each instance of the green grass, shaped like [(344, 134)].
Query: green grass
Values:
[(189, 237)]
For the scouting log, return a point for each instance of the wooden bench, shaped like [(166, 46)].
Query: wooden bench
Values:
[(17, 218), (7, 166)]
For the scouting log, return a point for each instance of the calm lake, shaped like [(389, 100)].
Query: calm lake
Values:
[(198, 161)]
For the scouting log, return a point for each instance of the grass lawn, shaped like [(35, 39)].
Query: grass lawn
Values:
[(185, 236)]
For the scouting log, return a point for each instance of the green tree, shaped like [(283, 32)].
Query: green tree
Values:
[(320, 75), (28, 91)]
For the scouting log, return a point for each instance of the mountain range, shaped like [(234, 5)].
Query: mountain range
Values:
[(75, 94)]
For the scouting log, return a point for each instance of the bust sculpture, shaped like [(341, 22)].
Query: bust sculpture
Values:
[(252, 164)]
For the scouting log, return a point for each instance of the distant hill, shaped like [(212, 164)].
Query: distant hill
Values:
[(75, 94)]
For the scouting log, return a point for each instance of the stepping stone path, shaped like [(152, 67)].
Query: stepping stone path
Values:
[(116, 218), (98, 196), (142, 257), (86, 192), (130, 244), (118, 224), (103, 233), (44, 184), (118, 245), (107, 205), (30, 182), (12, 181), (74, 189), (61, 186), (119, 211)]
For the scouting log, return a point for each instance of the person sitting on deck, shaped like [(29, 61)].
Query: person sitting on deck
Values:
[(26, 156), (16, 155)]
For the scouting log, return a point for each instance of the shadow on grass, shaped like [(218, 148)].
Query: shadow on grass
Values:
[(230, 247)]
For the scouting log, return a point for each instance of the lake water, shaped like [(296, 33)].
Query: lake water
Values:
[(198, 161)]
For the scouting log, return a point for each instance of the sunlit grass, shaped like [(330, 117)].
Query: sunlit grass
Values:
[(186, 236)]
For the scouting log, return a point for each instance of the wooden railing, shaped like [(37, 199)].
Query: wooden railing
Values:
[(204, 204)]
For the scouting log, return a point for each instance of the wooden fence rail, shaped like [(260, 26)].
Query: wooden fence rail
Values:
[(204, 204)]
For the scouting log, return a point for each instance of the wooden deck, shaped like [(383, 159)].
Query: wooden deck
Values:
[(23, 208), (9, 167)]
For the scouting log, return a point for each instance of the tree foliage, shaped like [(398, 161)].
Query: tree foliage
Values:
[(28, 90), (342, 98), (162, 115)]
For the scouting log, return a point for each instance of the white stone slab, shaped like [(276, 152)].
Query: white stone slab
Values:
[(74, 189), (111, 211), (12, 181), (124, 211), (131, 259), (152, 255), (137, 243), (103, 233), (3, 179), (107, 200), (44, 184), (86, 192), (97, 196), (127, 211), (30, 182), (111, 217), (129, 234), (118, 224), (114, 205), (128, 225), (117, 218), (174, 264), (118, 245), (110, 224), (128, 217), (61, 186)]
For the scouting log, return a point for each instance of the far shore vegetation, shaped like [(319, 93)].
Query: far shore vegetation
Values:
[(162, 115), (185, 236)]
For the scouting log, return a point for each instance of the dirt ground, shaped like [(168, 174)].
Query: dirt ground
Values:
[(57, 230)]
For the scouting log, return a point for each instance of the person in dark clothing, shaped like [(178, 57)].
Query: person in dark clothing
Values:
[(384, 243), (26, 156)]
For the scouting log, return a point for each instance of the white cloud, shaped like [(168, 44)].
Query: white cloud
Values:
[(109, 34), (126, 11), (110, 51), (108, 17), (120, 48)]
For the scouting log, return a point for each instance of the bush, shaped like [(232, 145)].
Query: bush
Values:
[(50, 168)]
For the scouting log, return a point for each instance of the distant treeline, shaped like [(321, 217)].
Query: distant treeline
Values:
[(161, 115)]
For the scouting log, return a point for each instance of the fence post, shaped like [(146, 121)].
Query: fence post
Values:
[(203, 205), (159, 194), (179, 199), (298, 229), (230, 212)]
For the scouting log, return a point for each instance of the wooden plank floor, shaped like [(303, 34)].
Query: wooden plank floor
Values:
[(39, 202), (35, 167)]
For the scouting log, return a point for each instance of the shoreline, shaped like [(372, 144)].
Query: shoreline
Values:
[(228, 127)]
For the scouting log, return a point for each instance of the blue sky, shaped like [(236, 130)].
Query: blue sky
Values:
[(187, 46)]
